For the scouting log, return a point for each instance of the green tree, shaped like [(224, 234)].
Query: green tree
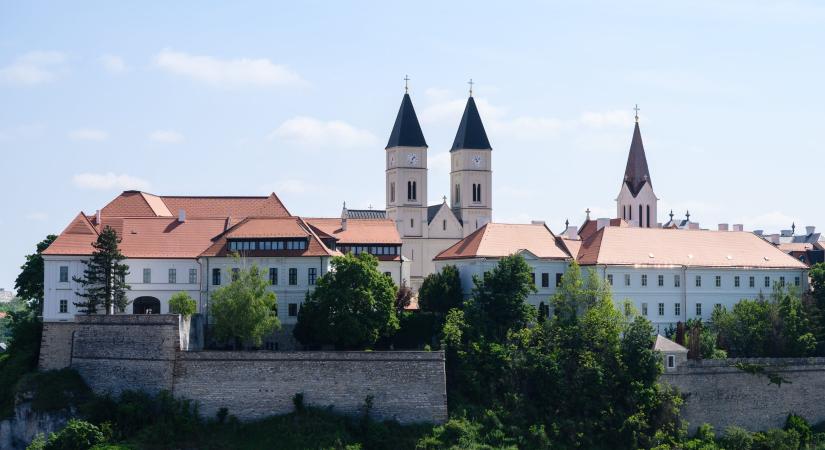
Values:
[(104, 278), (29, 283), (352, 306), (441, 291), (181, 303), (245, 309), (77, 435), (499, 300)]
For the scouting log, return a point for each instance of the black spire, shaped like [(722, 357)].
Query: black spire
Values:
[(636, 173), (471, 132), (406, 132)]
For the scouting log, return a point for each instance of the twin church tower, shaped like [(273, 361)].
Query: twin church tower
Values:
[(427, 230)]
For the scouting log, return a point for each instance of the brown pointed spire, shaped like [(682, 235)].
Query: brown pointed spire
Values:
[(636, 174)]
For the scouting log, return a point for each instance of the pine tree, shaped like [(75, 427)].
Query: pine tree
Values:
[(104, 279)]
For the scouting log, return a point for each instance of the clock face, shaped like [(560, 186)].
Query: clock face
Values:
[(477, 160), (412, 158)]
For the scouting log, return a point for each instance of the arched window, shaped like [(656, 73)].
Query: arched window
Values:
[(409, 190), (641, 224), (624, 212), (478, 192), (415, 191), (392, 191), (444, 224), (457, 194), (629, 212), (648, 216)]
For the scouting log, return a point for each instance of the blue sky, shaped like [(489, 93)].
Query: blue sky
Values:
[(299, 98)]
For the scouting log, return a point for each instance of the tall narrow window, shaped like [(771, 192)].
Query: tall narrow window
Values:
[(610, 279), (479, 193), (624, 212), (444, 224), (648, 216), (64, 306), (677, 280), (457, 200), (147, 275), (415, 191), (718, 281), (545, 280), (644, 309), (752, 282), (736, 281), (64, 274), (661, 280), (627, 279), (412, 223), (797, 281), (644, 279), (698, 281), (216, 277), (193, 276), (312, 274), (677, 309), (661, 309), (640, 217), (629, 212), (173, 276), (558, 279), (767, 282), (293, 276), (392, 191), (273, 276), (409, 190), (699, 309), (293, 309)]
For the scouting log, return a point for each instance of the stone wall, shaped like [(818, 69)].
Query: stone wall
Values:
[(718, 393), (143, 352), (56, 345), (405, 386)]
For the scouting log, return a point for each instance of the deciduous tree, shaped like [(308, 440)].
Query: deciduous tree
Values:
[(245, 309), (29, 283)]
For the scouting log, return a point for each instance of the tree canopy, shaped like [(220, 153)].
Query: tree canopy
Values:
[(352, 306), (441, 291), (245, 310), (104, 278), (183, 304), (29, 283)]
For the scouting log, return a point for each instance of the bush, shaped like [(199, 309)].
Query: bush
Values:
[(55, 389), (20, 357), (181, 303), (801, 427), (737, 438), (77, 435)]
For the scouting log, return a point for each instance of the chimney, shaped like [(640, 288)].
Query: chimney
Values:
[(758, 232), (181, 215), (810, 230), (97, 217), (601, 223), (774, 238), (693, 225), (344, 216), (537, 222), (738, 227), (786, 233), (723, 227)]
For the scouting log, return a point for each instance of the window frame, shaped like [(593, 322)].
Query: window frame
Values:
[(293, 276), (172, 275), (64, 270), (63, 306), (147, 275)]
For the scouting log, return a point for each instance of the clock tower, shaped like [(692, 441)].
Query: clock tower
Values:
[(471, 177), (406, 174)]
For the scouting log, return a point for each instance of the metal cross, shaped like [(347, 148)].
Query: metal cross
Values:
[(587, 211), (471, 86), (406, 84), (637, 112)]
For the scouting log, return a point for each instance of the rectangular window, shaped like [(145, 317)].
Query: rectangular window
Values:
[(782, 281), (677, 280), (671, 362), (661, 309), (610, 279), (698, 281), (545, 280), (236, 273), (797, 281), (533, 277), (644, 279), (193, 276), (173, 276), (312, 273), (644, 309), (64, 306), (216, 277), (767, 282), (627, 279), (558, 279), (736, 281), (389, 274), (64, 274), (293, 276), (661, 280), (718, 281), (752, 282), (677, 309), (147, 275), (293, 309), (699, 309), (273, 276)]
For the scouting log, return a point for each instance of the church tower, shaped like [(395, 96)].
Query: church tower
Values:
[(636, 202), (406, 174), (471, 177)]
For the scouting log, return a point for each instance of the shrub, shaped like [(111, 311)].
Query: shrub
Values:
[(737, 438), (77, 435), (801, 427), (181, 303)]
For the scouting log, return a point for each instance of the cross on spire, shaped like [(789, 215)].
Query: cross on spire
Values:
[(406, 84), (636, 109), (587, 211), (471, 86)]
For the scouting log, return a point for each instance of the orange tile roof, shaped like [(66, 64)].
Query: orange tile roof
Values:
[(796, 246), (589, 226), (259, 228), (496, 240), (573, 245), (76, 239), (142, 204), (694, 248), (359, 231)]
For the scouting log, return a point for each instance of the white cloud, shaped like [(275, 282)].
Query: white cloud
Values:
[(113, 63), (166, 136), (33, 68), (227, 72), (311, 132), (108, 181), (37, 216), (88, 134)]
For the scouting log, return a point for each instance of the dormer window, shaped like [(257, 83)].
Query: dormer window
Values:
[(268, 245)]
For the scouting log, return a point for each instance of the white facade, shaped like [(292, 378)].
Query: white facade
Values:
[(639, 210), (471, 179)]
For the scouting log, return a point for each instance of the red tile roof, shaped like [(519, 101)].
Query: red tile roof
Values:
[(573, 246), (496, 240), (653, 246), (359, 231), (282, 227), (76, 239), (142, 204)]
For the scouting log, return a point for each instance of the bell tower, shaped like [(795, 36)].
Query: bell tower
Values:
[(637, 203), (471, 177)]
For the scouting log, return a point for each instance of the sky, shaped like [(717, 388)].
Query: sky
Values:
[(299, 98)]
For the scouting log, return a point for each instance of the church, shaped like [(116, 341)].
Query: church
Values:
[(670, 272)]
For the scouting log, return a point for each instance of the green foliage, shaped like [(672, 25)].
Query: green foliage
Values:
[(29, 283), (20, 358), (245, 309), (441, 291), (104, 278), (77, 435), (737, 438), (352, 306), (14, 306), (781, 325), (416, 330), (54, 390), (181, 303), (801, 427)]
